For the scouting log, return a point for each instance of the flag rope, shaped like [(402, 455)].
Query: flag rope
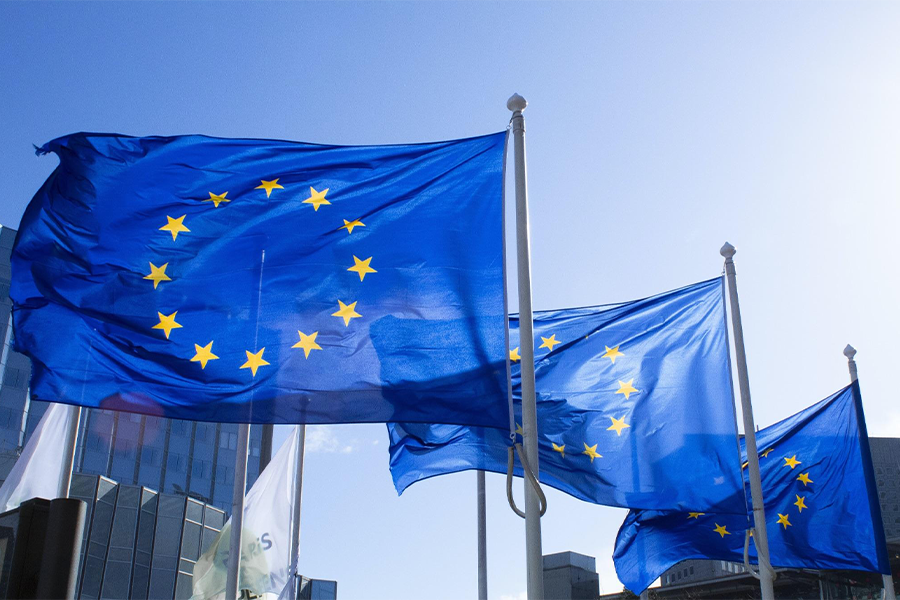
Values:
[(529, 475)]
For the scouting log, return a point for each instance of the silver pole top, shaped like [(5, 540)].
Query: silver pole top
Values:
[(516, 103), (727, 250), (849, 352)]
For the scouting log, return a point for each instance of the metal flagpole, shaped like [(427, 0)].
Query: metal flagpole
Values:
[(65, 482), (298, 496), (761, 538), (850, 353), (534, 559), (237, 511), (242, 453), (482, 538)]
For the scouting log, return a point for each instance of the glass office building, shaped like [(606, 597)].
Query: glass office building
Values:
[(139, 543), (14, 368), (179, 457)]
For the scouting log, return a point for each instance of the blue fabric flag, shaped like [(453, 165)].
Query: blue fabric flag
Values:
[(819, 492), (634, 408), (267, 281)]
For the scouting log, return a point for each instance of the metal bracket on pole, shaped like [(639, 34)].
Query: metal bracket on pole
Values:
[(766, 584), (850, 353), (534, 558)]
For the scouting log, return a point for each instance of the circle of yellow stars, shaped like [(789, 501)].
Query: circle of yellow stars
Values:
[(625, 388), (254, 359)]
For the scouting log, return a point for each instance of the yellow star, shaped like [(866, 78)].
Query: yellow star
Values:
[(362, 267), (204, 354), (317, 199), (720, 529), (269, 186), (519, 430), (611, 353), (626, 388), (804, 477), (174, 226), (560, 449), (167, 324), (617, 425), (307, 342), (158, 274), (349, 225), (791, 462), (766, 453), (347, 312), (695, 515), (549, 342), (254, 361), (591, 451), (514, 354), (800, 503), (783, 521), (217, 199)]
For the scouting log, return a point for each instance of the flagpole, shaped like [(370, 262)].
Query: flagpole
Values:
[(482, 538), (65, 482), (237, 511), (850, 353), (534, 559), (761, 538), (298, 496)]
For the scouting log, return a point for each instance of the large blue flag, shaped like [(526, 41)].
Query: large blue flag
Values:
[(267, 281), (821, 504), (634, 408)]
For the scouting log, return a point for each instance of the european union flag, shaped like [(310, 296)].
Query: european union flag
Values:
[(634, 407), (822, 508), (267, 281)]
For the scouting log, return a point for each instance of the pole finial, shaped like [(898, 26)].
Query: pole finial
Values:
[(516, 103), (849, 352), (727, 250)]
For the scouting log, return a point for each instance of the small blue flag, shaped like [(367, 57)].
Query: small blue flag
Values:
[(634, 408), (821, 504), (267, 281)]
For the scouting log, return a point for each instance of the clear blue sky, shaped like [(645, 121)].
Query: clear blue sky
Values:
[(656, 131)]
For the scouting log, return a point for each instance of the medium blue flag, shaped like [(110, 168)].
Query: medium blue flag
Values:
[(821, 504), (267, 281), (634, 408)]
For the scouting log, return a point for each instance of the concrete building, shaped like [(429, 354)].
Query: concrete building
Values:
[(570, 576)]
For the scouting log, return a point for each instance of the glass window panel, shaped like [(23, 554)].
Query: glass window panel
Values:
[(116, 580), (162, 583), (190, 541), (139, 581), (183, 589), (214, 518)]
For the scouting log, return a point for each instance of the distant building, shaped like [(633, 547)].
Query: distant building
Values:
[(139, 543), (14, 368), (316, 589), (570, 576), (181, 457), (886, 460)]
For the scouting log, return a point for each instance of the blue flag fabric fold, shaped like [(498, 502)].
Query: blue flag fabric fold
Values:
[(634, 407), (821, 504), (267, 281)]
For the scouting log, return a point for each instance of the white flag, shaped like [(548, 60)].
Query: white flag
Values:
[(39, 469), (266, 539)]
